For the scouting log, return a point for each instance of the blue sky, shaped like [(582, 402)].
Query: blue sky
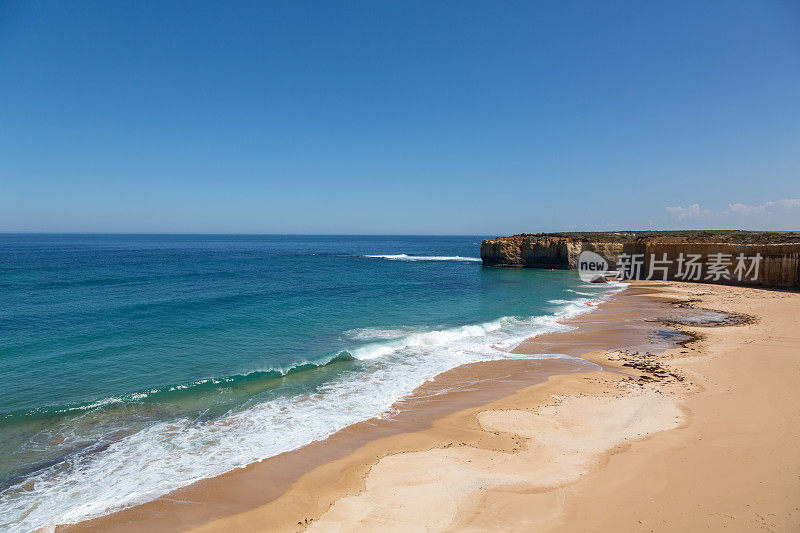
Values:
[(399, 117)]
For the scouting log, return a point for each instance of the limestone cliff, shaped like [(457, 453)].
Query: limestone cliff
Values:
[(779, 251), (542, 251)]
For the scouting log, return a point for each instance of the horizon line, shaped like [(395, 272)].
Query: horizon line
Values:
[(248, 234)]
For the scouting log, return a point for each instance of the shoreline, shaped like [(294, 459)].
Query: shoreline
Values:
[(330, 482), (247, 488)]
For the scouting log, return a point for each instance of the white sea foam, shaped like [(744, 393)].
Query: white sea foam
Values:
[(379, 333), (580, 292), (566, 302), (166, 456), (405, 257)]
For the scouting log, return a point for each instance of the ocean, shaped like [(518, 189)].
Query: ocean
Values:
[(136, 364)]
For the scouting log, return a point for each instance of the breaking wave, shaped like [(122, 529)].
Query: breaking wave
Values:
[(383, 366), (405, 257)]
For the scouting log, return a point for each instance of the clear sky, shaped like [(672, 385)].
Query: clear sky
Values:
[(399, 117)]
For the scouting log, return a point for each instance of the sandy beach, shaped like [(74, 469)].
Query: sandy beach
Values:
[(682, 420)]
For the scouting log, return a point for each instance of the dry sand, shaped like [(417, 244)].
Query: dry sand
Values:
[(703, 436)]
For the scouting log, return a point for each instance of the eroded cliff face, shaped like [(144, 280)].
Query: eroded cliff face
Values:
[(779, 264), (519, 251), (542, 252)]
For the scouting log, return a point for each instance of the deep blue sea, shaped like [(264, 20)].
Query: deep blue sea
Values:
[(135, 364)]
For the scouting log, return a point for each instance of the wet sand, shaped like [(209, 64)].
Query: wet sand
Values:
[(247, 488), (517, 444)]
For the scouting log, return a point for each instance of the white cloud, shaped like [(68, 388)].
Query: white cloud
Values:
[(783, 203), (790, 203), (745, 209), (738, 208), (693, 211)]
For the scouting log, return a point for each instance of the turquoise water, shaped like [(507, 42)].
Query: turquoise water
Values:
[(148, 362)]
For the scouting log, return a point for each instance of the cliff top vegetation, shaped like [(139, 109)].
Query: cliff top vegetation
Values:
[(677, 236)]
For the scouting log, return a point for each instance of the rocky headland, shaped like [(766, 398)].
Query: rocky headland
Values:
[(778, 252)]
